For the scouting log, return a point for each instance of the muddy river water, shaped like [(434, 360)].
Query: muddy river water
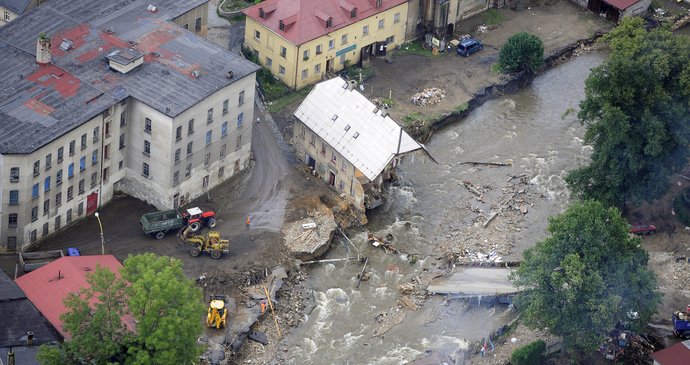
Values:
[(531, 129)]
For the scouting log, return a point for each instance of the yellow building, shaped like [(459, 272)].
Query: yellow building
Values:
[(301, 40)]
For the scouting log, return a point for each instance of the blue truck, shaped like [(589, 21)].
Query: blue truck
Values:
[(681, 324)]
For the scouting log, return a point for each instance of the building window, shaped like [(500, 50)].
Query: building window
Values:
[(96, 134), (343, 39), (221, 172), (334, 157), (37, 168), (45, 229), (7, 16), (58, 178), (188, 170), (107, 130), (34, 236), (94, 157), (147, 125), (257, 34), (94, 179), (186, 26), (122, 141), (46, 207), (177, 155), (365, 30), (34, 214), (317, 68), (197, 25), (145, 169), (120, 165), (178, 133), (70, 193), (68, 216), (14, 197), (283, 51), (58, 199), (34, 191), (305, 73), (106, 151), (209, 116), (331, 44), (269, 62), (329, 22), (353, 12), (12, 243), (189, 148), (80, 209), (207, 158), (82, 163), (318, 49), (49, 162), (60, 154), (281, 70), (147, 148), (240, 99), (123, 119), (341, 185), (12, 220), (83, 141), (204, 182), (305, 55), (222, 151), (240, 119), (46, 184), (225, 106), (396, 18), (176, 178), (302, 131), (71, 148), (57, 222), (224, 129), (323, 148), (312, 140), (381, 23), (14, 174), (81, 186), (70, 171), (390, 39), (190, 127), (209, 136), (239, 142), (106, 173)]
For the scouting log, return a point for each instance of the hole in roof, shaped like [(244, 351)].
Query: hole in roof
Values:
[(334, 117), (347, 127)]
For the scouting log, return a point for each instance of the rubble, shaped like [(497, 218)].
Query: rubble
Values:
[(310, 238), (428, 96)]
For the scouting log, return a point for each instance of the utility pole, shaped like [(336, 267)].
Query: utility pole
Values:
[(101, 227)]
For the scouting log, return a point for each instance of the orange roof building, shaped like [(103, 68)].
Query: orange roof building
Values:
[(299, 41)]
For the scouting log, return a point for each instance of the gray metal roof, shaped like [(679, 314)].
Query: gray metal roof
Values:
[(180, 69), (354, 126), (17, 6)]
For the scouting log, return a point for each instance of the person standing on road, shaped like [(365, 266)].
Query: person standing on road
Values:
[(248, 221)]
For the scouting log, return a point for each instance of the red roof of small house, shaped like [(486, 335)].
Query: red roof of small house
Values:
[(47, 286), (305, 20), (678, 354), (621, 4)]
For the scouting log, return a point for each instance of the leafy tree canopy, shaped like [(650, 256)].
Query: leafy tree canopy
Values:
[(165, 305), (584, 278), (522, 51), (637, 116)]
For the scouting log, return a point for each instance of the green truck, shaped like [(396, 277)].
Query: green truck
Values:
[(157, 224)]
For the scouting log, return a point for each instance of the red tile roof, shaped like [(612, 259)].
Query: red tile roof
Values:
[(678, 354), (46, 290), (621, 4), (304, 19)]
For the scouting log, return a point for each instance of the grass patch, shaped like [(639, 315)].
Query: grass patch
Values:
[(390, 102), (288, 99), (234, 5), (462, 107), (414, 47), (411, 118), (272, 88), (495, 69), (492, 17)]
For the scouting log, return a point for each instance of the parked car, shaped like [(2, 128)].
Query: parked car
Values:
[(469, 46), (643, 229)]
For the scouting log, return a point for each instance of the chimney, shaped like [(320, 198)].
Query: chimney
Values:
[(43, 49), (29, 339), (10, 357), (351, 85)]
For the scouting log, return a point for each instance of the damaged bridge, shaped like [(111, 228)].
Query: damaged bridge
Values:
[(477, 283)]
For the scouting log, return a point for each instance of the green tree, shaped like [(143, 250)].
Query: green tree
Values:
[(165, 305), (583, 279), (523, 51), (637, 116)]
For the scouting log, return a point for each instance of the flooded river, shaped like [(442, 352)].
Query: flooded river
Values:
[(532, 130)]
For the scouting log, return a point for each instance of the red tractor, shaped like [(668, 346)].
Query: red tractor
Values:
[(196, 218)]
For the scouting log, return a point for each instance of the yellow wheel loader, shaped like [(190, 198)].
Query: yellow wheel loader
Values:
[(217, 313), (211, 243)]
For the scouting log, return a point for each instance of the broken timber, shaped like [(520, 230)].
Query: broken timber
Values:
[(328, 260), (486, 163), (472, 189), (361, 275)]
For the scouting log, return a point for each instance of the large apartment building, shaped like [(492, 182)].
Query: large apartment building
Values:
[(95, 101), (301, 40)]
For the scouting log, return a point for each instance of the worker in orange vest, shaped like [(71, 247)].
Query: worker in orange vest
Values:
[(263, 306), (249, 220)]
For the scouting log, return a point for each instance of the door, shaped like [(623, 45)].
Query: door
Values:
[(91, 203), (176, 200), (329, 65), (311, 162), (237, 167), (331, 178)]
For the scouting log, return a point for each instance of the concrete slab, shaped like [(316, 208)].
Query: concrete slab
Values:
[(475, 281)]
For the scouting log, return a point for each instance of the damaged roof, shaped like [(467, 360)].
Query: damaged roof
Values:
[(354, 126), (180, 68)]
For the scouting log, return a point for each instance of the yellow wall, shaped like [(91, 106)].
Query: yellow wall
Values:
[(269, 44)]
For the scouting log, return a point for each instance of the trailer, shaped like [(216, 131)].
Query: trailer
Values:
[(681, 324), (157, 224)]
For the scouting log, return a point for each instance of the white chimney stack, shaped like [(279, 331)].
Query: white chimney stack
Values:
[(43, 49)]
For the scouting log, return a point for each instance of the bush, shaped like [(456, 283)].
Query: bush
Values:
[(523, 51), (530, 354)]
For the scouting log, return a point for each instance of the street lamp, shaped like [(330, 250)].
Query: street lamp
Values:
[(101, 227)]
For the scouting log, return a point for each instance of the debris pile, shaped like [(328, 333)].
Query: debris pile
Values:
[(428, 96), (310, 238), (625, 347)]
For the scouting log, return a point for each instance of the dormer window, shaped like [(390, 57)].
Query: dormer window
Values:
[(379, 3), (281, 25), (262, 13), (353, 13), (329, 22)]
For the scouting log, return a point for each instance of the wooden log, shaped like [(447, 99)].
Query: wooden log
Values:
[(486, 163), (270, 303), (361, 274), (472, 189), (490, 219)]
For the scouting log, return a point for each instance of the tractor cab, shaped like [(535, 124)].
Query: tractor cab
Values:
[(196, 218), (217, 313)]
